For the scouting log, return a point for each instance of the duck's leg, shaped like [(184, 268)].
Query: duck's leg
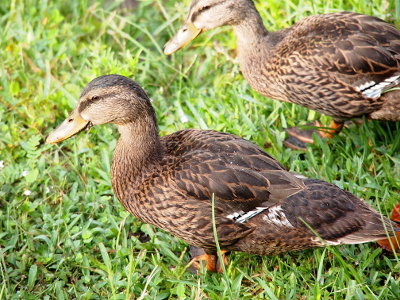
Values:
[(392, 245), (298, 138), (211, 260)]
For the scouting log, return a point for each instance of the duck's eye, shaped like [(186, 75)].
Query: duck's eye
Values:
[(205, 7), (95, 98)]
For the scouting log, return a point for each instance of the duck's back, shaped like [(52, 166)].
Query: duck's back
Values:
[(190, 141)]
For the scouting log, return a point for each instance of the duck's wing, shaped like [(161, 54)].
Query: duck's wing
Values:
[(232, 177), (233, 170), (240, 191)]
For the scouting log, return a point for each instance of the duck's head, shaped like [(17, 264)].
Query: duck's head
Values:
[(107, 99), (205, 15)]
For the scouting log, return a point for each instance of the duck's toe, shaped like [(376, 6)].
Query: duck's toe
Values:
[(299, 137), (294, 143), (302, 135)]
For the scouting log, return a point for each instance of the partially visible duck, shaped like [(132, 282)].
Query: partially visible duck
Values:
[(170, 181), (343, 65)]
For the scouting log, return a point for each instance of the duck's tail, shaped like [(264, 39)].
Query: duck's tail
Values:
[(376, 228)]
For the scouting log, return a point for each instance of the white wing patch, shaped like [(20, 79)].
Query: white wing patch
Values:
[(299, 176), (244, 217), (328, 242), (373, 89), (235, 215), (364, 86), (276, 216)]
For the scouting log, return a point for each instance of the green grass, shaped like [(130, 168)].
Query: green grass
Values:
[(64, 235)]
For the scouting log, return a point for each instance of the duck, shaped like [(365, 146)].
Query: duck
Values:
[(344, 65), (186, 181)]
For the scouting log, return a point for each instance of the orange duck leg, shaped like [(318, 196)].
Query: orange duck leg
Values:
[(392, 244), (211, 260)]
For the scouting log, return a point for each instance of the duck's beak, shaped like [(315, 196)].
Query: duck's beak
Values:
[(71, 126), (183, 37)]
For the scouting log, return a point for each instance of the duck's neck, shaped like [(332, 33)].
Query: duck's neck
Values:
[(137, 153), (249, 29)]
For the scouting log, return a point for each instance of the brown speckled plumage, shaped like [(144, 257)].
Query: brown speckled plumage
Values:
[(330, 63), (168, 182)]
